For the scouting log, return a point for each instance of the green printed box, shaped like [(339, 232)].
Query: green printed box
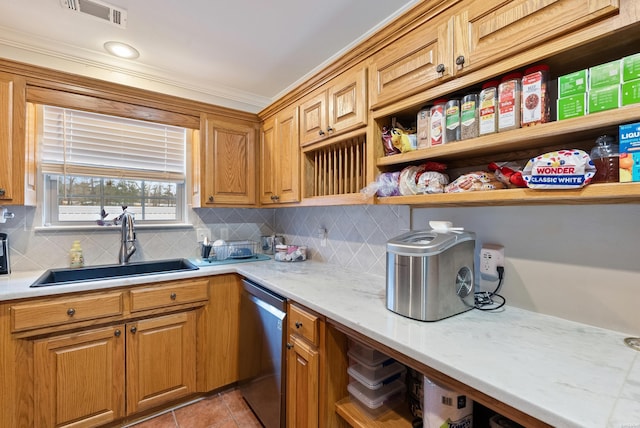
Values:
[(573, 106), (572, 84), (605, 75), (631, 67), (630, 93), (602, 99)]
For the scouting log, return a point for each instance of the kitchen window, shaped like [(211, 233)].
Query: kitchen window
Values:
[(93, 164)]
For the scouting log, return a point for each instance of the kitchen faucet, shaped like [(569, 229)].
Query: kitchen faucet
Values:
[(128, 236)]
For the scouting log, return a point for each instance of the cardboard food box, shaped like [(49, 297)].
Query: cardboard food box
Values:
[(605, 75), (572, 84), (630, 93), (602, 99), (572, 106), (629, 141), (631, 67)]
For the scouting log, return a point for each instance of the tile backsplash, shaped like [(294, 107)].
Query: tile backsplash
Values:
[(356, 235)]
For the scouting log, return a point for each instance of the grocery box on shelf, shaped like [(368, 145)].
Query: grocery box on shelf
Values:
[(377, 377), (604, 98), (375, 403), (607, 74), (630, 93), (631, 67), (572, 106), (629, 144), (572, 84)]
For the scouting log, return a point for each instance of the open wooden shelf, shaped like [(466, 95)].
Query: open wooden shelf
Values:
[(603, 193), (563, 132), (399, 417)]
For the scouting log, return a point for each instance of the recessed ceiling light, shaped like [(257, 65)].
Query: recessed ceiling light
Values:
[(121, 50)]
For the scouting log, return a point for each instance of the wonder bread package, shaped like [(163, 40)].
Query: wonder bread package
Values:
[(564, 169)]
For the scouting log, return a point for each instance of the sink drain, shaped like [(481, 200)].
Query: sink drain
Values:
[(633, 343)]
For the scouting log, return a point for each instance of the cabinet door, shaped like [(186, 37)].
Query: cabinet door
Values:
[(228, 162), (288, 156), (302, 384), (347, 101), (17, 175), (418, 60), (268, 156), (495, 29), (313, 118), (79, 378), (161, 360)]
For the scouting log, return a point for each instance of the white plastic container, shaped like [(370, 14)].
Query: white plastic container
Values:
[(377, 402), (442, 404), (377, 377), (366, 355)]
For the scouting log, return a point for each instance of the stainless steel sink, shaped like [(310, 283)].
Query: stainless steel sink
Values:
[(94, 273)]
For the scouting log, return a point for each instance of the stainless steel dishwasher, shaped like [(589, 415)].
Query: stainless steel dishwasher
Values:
[(261, 362)]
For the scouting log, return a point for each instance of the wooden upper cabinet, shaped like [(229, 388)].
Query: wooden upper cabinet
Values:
[(227, 162), (491, 30), (417, 60), (280, 158), (337, 108), (17, 149)]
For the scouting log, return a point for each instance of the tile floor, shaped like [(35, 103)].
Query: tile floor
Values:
[(224, 410)]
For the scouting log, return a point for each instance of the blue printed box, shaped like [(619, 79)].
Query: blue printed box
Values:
[(629, 139)]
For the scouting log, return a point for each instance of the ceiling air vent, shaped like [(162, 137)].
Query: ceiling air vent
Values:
[(98, 9)]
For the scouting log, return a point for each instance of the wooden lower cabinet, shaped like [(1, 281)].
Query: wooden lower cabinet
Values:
[(161, 360), (302, 384), (79, 378)]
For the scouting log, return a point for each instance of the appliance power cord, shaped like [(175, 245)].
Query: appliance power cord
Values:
[(484, 299)]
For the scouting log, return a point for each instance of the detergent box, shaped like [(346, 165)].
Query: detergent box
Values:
[(629, 141)]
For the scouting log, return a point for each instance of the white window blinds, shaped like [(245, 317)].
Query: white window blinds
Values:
[(82, 143)]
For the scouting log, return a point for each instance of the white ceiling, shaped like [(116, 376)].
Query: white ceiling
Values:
[(241, 54)]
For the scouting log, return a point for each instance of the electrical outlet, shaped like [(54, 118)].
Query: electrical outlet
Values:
[(224, 233), (491, 256), (201, 233)]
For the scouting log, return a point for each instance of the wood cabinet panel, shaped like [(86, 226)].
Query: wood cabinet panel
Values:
[(491, 30), (172, 294), (302, 384), (228, 162), (65, 310), (280, 163), (79, 378), (304, 324), (313, 118), (161, 360), (417, 60)]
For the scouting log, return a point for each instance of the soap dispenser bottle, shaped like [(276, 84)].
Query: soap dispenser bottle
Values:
[(77, 259)]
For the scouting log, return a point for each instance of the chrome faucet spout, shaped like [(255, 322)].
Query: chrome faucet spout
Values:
[(127, 238)]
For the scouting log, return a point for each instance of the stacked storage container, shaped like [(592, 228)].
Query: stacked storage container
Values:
[(377, 382)]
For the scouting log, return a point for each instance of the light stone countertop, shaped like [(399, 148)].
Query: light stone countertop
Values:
[(564, 373)]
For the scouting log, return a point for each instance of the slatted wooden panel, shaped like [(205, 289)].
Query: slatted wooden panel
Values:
[(338, 169)]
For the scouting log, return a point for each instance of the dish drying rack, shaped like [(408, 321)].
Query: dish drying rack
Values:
[(234, 250)]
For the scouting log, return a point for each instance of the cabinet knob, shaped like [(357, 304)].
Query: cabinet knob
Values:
[(173, 296), (298, 324), (2, 192), (275, 197), (330, 129), (321, 132), (117, 333), (71, 312), (289, 346), (210, 198), (133, 329), (440, 68), (460, 60)]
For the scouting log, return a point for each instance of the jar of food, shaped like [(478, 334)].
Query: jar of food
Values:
[(452, 121), (422, 125), (535, 96), (509, 95), (436, 120), (488, 100), (605, 157), (469, 116)]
